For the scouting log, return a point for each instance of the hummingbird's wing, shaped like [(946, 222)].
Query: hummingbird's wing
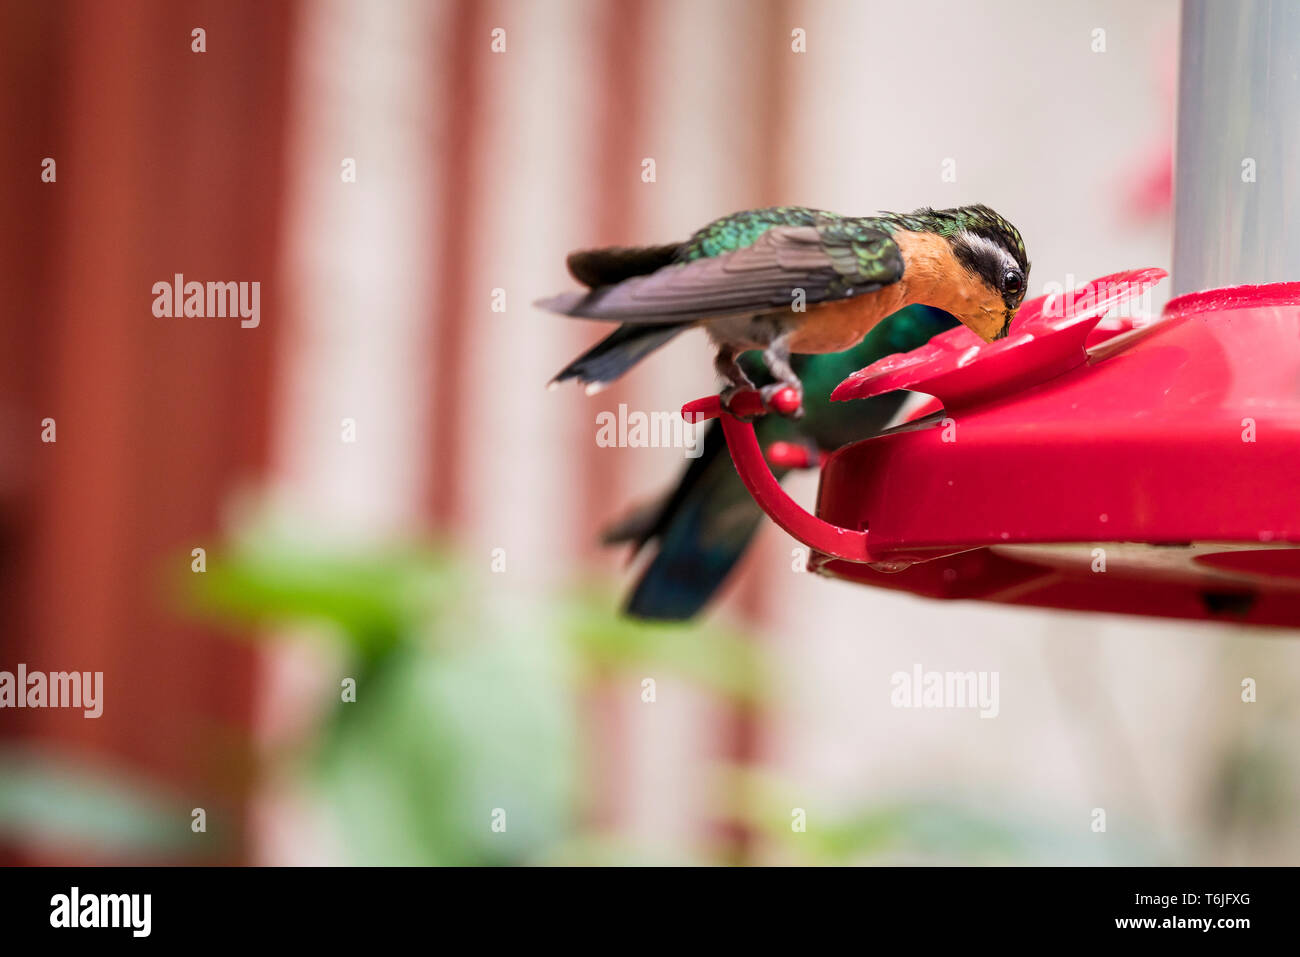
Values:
[(829, 262)]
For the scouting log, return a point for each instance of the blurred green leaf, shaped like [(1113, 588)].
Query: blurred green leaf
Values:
[(718, 661), (61, 802), (440, 741), (374, 599)]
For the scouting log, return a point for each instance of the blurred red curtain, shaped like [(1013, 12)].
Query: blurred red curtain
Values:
[(167, 161)]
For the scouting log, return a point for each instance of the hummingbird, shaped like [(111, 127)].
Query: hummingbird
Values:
[(789, 280), (700, 529)]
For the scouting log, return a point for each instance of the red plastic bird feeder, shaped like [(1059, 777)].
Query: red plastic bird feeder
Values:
[(1081, 463)]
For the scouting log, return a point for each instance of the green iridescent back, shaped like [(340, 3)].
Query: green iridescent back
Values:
[(742, 229)]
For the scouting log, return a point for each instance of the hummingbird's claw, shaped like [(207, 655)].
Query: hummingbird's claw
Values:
[(736, 398), (747, 403)]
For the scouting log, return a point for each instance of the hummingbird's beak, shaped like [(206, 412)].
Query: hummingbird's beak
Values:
[(987, 324)]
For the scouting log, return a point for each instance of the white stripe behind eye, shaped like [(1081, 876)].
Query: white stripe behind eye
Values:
[(975, 241)]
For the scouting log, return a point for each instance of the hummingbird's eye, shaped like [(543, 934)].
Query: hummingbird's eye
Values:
[(1013, 282)]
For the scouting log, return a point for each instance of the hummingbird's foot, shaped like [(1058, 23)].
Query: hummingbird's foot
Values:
[(738, 400), (786, 394), (785, 398)]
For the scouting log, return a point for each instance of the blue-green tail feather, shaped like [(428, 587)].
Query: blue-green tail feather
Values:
[(709, 520)]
